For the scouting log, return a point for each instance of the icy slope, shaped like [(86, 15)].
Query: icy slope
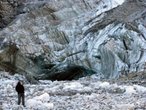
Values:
[(100, 36)]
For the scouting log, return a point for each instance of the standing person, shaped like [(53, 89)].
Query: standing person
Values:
[(20, 90)]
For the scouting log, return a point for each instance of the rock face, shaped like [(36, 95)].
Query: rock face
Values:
[(8, 10), (97, 36)]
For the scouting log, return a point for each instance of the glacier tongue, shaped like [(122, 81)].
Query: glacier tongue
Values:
[(103, 37)]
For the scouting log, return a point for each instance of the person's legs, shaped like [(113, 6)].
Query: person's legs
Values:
[(19, 99), (23, 99)]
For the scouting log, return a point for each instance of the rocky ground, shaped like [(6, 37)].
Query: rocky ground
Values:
[(83, 94)]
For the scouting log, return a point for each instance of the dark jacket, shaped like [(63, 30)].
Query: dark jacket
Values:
[(19, 88)]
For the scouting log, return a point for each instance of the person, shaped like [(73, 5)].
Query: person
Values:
[(20, 90)]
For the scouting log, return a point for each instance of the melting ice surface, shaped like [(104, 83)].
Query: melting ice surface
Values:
[(83, 94), (120, 1)]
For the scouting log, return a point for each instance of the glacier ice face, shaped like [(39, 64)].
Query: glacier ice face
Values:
[(101, 36)]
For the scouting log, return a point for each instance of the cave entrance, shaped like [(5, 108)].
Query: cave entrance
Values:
[(72, 72)]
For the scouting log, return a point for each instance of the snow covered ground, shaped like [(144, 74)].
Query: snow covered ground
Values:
[(83, 94)]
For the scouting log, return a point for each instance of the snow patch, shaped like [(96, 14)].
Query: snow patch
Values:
[(139, 89), (43, 98), (73, 86), (40, 102), (104, 85), (125, 106), (130, 90), (120, 2)]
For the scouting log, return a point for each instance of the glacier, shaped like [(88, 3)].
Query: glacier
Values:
[(61, 40)]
